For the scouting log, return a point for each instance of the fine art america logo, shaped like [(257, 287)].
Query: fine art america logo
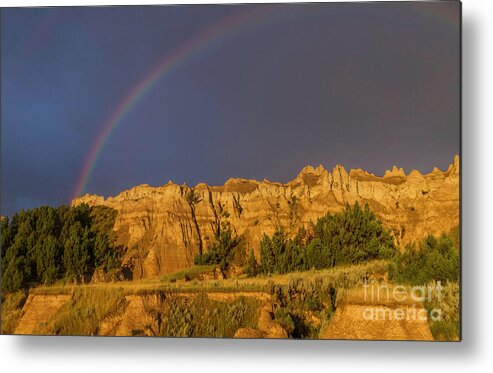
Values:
[(401, 303)]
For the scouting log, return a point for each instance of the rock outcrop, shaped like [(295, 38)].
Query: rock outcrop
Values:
[(163, 230), (349, 322), (37, 312)]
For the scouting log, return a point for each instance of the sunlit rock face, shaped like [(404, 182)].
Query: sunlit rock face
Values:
[(156, 224)]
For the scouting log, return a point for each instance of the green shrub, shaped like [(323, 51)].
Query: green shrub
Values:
[(349, 237), (284, 318), (433, 260), (280, 254), (299, 302), (221, 252), (447, 328), (251, 268), (192, 273)]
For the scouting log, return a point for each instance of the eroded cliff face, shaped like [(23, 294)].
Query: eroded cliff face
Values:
[(163, 231)]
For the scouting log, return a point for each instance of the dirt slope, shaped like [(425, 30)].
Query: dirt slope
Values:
[(349, 322), (38, 310)]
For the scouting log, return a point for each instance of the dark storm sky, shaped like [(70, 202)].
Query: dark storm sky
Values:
[(364, 85)]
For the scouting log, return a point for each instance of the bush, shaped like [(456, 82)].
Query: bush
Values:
[(221, 252), (280, 254), (349, 237), (284, 318), (433, 260), (251, 268), (300, 302), (448, 327)]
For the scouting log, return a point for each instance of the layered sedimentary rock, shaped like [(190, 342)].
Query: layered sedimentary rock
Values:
[(378, 322), (164, 229), (38, 310), (141, 314)]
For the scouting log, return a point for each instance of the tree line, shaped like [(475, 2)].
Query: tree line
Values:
[(432, 259), (47, 244), (352, 236)]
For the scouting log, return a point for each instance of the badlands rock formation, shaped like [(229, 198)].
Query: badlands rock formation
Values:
[(163, 232), (349, 322)]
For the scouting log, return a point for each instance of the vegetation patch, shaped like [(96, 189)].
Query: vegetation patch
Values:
[(434, 264), (303, 308), (46, 244), (203, 317), (12, 310), (447, 327), (350, 237), (433, 260), (306, 276), (83, 313), (223, 251), (188, 274)]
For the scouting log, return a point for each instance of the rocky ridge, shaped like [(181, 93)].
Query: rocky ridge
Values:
[(163, 231)]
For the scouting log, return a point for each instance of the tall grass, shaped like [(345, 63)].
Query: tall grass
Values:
[(203, 317), (448, 327), (12, 310), (188, 274), (303, 307), (304, 301), (83, 313), (188, 281)]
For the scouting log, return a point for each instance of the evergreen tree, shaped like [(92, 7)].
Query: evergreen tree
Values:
[(48, 259), (46, 244), (76, 255), (349, 237), (222, 251), (433, 259), (251, 268), (13, 277)]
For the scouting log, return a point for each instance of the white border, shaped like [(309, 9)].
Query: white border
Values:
[(67, 354)]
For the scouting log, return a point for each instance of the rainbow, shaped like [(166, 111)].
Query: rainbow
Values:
[(187, 50), (170, 61)]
